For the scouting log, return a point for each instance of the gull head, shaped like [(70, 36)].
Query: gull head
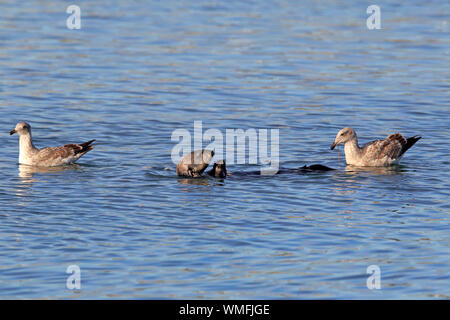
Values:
[(21, 128), (343, 136)]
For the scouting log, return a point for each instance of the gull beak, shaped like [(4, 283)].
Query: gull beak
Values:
[(12, 132), (333, 146)]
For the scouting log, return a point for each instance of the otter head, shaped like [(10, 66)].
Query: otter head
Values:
[(219, 169), (343, 136), (21, 128)]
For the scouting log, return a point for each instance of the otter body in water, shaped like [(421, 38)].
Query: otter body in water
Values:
[(315, 167), (219, 170)]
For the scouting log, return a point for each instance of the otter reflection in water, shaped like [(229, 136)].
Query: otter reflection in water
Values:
[(196, 162)]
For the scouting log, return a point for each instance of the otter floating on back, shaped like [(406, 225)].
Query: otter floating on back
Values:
[(196, 162)]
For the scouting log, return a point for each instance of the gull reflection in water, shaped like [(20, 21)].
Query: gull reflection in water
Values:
[(350, 180), (391, 170), (30, 174), (27, 173)]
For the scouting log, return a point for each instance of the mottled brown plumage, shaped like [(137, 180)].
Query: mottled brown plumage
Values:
[(47, 157), (375, 153), (68, 153)]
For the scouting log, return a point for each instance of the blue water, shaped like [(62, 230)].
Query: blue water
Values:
[(138, 70)]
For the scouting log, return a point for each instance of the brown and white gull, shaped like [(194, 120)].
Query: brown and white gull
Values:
[(47, 157), (377, 153)]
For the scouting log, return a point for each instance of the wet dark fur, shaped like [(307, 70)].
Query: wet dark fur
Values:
[(219, 170), (302, 170)]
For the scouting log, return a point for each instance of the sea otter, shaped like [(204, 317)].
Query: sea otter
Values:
[(194, 163), (219, 170)]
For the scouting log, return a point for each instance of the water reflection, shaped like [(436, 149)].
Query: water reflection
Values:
[(195, 181), (27, 173), (355, 178), (392, 170), (28, 176)]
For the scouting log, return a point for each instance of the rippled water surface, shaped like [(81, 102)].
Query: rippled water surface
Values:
[(137, 70)]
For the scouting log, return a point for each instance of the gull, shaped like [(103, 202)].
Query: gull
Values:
[(377, 153), (47, 157)]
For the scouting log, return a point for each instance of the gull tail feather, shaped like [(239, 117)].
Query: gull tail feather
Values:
[(409, 143), (85, 147)]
